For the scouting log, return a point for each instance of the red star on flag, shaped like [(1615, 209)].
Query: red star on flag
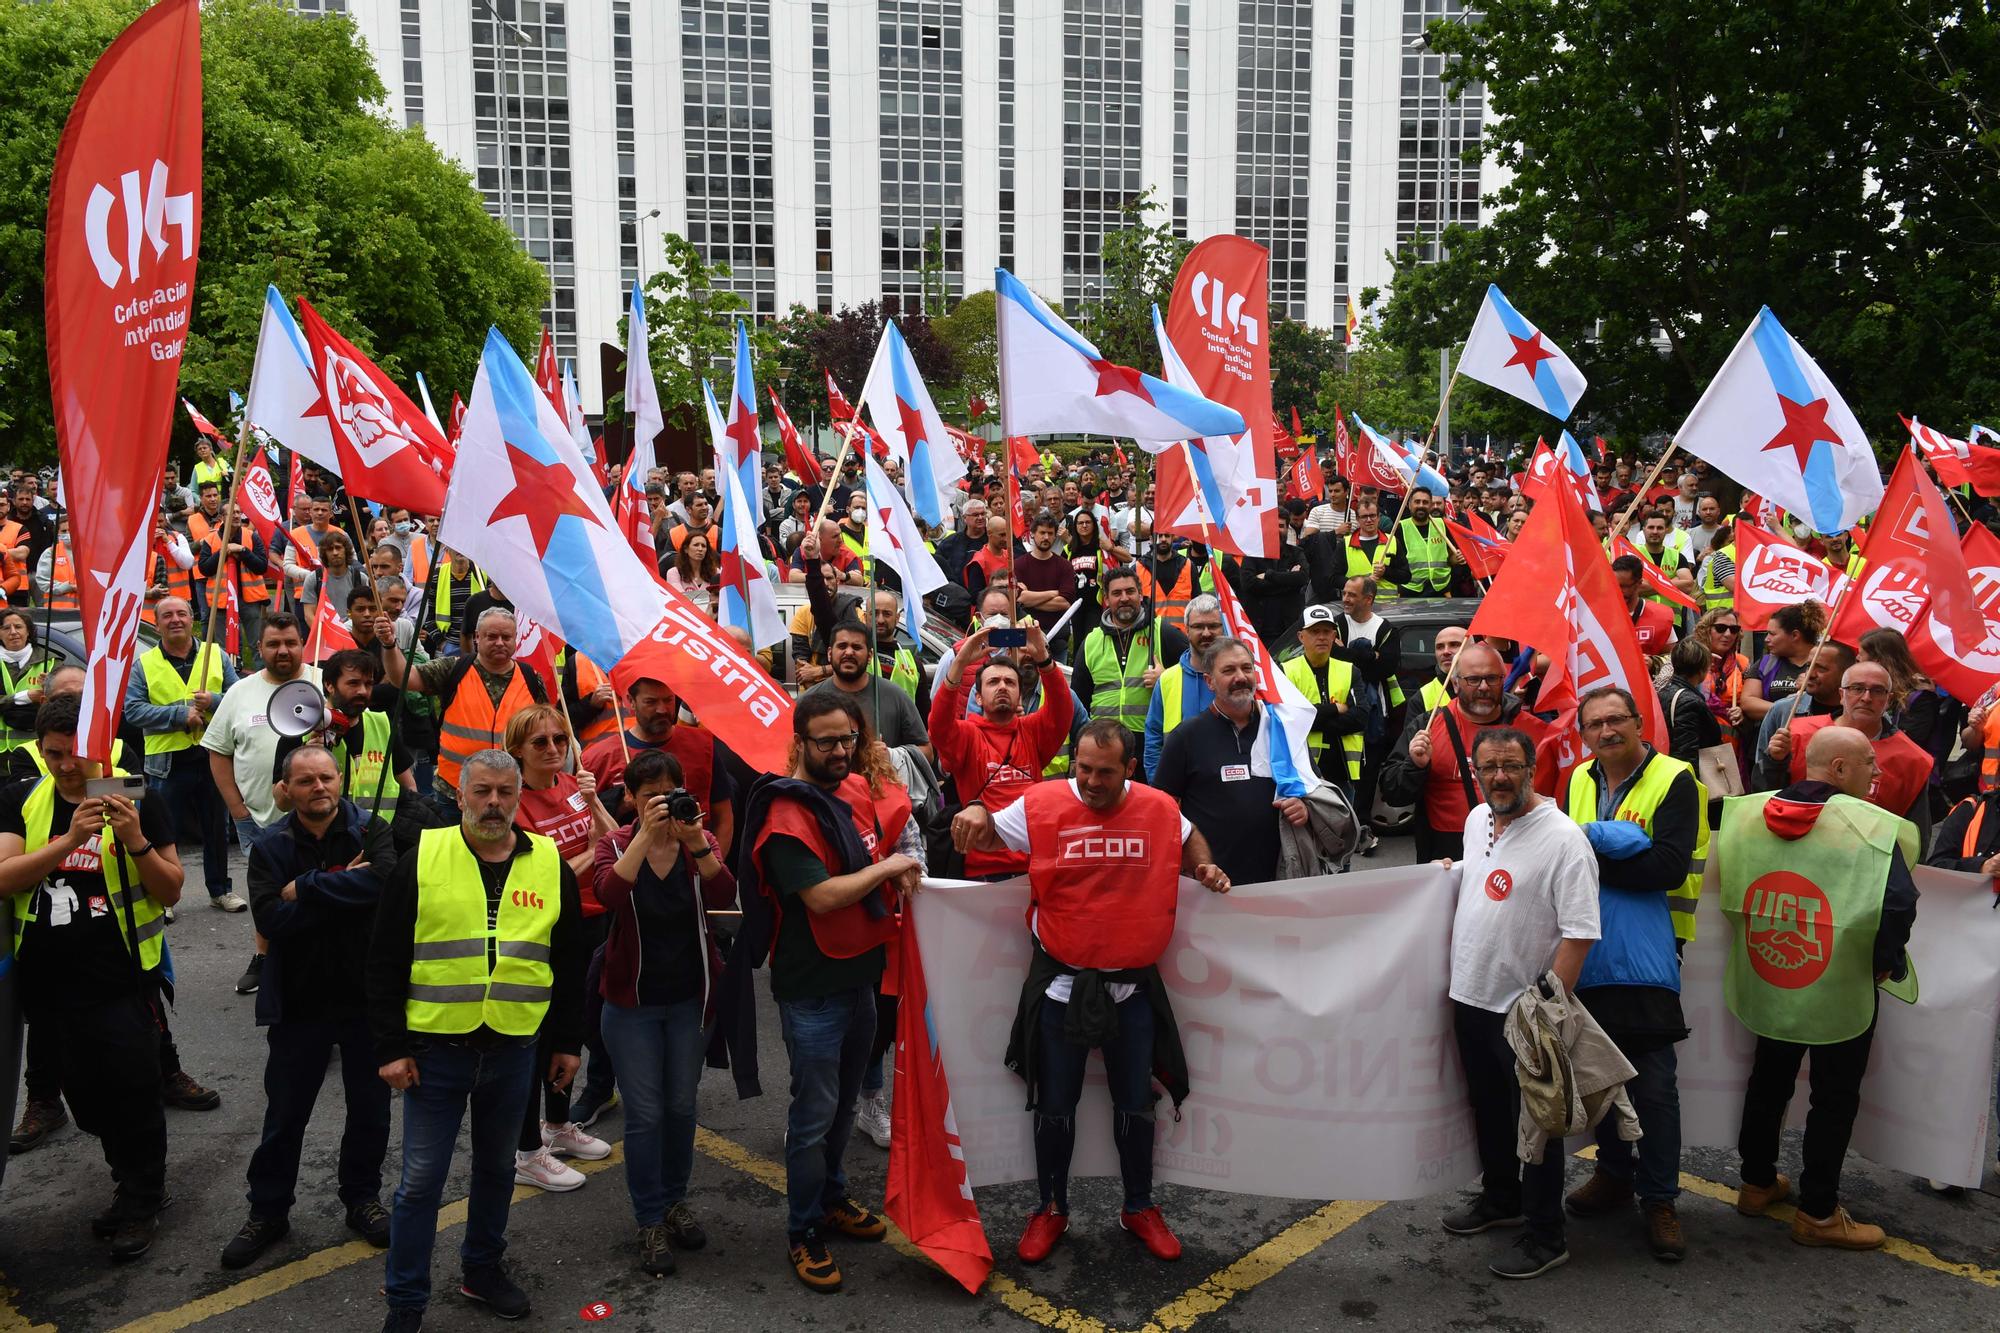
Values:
[(887, 530), (742, 431), (911, 422), (542, 494), (736, 572), (1529, 352), (1805, 425), (1114, 378)]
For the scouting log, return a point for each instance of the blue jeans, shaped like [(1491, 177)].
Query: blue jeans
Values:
[(1128, 1069), (494, 1082), (196, 809), (248, 831), (1657, 1099), (659, 1049), (828, 1039)]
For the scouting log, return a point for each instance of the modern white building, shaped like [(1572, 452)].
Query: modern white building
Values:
[(829, 150)]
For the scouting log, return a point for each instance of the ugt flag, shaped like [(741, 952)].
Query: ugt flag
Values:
[(1207, 486), (1511, 354), (1966, 668), (1915, 569), (1053, 380), (1388, 459), (908, 422), (124, 227), (1771, 572), (388, 451), (1772, 420)]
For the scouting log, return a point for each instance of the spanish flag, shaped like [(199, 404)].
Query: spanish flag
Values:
[(1353, 321)]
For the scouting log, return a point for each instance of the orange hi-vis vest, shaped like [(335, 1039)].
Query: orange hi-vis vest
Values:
[(61, 571), (472, 722), (15, 576), (255, 588)]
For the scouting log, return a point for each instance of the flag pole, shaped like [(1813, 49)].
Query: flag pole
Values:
[(846, 431), (618, 714), (222, 556), (1639, 495)]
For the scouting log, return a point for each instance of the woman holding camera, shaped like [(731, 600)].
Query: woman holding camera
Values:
[(563, 807), (657, 877)]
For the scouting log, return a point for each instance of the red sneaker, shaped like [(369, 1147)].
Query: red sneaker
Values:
[(1044, 1229), (1151, 1229)]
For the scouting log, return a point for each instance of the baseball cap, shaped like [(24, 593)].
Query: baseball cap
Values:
[(1320, 615)]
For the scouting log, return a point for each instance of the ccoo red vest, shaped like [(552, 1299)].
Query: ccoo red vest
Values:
[(1103, 885), (849, 931), (1902, 767)]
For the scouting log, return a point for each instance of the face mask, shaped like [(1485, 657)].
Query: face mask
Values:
[(406, 528)]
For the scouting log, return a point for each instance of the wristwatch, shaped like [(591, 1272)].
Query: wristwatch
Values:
[(1043, 665)]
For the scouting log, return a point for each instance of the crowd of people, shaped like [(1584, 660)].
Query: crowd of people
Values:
[(519, 897)]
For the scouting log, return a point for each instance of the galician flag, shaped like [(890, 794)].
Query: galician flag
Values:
[(1772, 420), (745, 597), (740, 447), (1053, 380), (642, 406), (908, 422), (284, 399), (894, 540), (1507, 352)]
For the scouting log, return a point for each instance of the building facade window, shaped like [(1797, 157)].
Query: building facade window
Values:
[(625, 142), (1435, 187), (412, 33), (1182, 60), (1004, 71), (520, 100), (921, 53), (321, 6), (1102, 100), (822, 158), (1274, 139), (726, 111)]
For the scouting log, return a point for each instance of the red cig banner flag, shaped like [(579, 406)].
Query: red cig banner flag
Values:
[(123, 232)]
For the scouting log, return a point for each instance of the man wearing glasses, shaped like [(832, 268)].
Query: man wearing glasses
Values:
[(1902, 767), (1431, 765), (1527, 905), (1646, 817)]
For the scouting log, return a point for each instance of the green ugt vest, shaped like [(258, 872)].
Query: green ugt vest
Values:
[(11, 685), (121, 878), (1428, 555), (1339, 680), (165, 686), (453, 988), (1717, 596), (365, 778), (1803, 914), (1119, 689), (1641, 803)]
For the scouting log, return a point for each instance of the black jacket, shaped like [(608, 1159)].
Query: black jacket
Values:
[(1948, 851), (1691, 727), (333, 908)]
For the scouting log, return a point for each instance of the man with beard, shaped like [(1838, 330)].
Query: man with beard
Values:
[(1103, 893), (996, 754), (371, 776), (652, 711), (1047, 580), (478, 942), (1431, 765), (892, 712), (1182, 691), (1205, 766), (170, 698), (1527, 905), (827, 863), (1121, 660), (1426, 549)]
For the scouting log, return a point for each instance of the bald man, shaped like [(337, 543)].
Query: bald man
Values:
[(1815, 883), (1902, 767)]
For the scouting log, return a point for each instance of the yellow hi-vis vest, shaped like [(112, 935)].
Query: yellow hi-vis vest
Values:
[(365, 778), (1639, 806), (904, 673), (1118, 688), (1428, 556), (121, 880), (454, 988), (1339, 681), (1361, 565), (441, 611), (165, 686), (1717, 596), (11, 685)]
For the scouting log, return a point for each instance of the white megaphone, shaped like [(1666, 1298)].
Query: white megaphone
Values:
[(296, 708)]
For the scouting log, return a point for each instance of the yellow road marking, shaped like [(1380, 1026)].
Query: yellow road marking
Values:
[(319, 1264), (12, 1320)]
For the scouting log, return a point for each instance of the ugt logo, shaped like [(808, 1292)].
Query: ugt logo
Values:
[(363, 411), (1787, 929), (148, 213)]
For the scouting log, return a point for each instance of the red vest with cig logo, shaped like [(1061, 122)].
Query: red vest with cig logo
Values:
[(845, 932), (1103, 884)]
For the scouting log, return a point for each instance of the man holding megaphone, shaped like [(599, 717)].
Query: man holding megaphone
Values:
[(374, 764)]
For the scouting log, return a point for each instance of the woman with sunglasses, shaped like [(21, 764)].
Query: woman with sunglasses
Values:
[(563, 807)]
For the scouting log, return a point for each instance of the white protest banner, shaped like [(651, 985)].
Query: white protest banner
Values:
[(1313, 1013), (1928, 1097), (1318, 1032)]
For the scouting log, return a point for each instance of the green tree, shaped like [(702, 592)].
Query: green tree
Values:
[(972, 334), (305, 184), (1301, 356), (1674, 167), (691, 330), (1139, 262)]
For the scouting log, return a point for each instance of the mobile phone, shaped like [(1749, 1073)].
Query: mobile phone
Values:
[(1007, 638), (131, 787)]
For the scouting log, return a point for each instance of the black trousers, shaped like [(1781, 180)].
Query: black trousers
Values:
[(43, 1071), (107, 1058), (1835, 1079), (1432, 843), (294, 1068), (1511, 1185)]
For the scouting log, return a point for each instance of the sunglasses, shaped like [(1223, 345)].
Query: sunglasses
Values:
[(555, 742)]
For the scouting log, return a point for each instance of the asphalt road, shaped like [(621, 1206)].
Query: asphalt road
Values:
[(1250, 1263)]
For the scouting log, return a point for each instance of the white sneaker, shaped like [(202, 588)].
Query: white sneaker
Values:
[(228, 902), (543, 1171), (871, 1117), (571, 1141)]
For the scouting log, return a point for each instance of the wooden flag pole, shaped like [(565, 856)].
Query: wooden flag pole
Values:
[(1639, 495), (222, 556)]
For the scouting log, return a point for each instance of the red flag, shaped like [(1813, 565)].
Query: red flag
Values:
[(549, 375), (232, 615), (976, 407), (257, 498), (1914, 564), (1297, 430), (1597, 440), (457, 420), (1771, 572), (1483, 553), (1343, 447), (535, 649), (1966, 670), (847, 424), (1287, 444), (203, 424), (389, 451), (928, 1194), (1307, 481), (1657, 582), (969, 447), (1957, 462), (124, 228), (330, 633), (1556, 592), (722, 683), (1118, 453), (1022, 457), (295, 486), (805, 466)]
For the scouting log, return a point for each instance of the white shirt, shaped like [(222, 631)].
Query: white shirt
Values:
[(1325, 518), (1354, 631), (1534, 888), (241, 730), (1012, 826)]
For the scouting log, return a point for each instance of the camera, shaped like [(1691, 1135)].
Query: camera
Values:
[(682, 807)]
